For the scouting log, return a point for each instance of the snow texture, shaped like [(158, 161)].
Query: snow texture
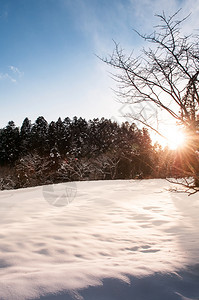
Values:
[(115, 240)]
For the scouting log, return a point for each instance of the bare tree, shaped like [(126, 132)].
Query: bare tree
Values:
[(165, 75)]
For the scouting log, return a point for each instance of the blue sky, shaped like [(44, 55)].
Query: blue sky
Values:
[(48, 64)]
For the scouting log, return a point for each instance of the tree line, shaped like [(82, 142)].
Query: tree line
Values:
[(73, 149)]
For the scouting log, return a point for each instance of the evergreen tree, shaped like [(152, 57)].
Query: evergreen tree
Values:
[(39, 136), (25, 137), (9, 143), (52, 135)]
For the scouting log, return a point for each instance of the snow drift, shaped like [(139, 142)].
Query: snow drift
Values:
[(99, 240)]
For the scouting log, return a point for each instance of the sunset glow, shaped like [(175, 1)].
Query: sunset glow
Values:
[(174, 138)]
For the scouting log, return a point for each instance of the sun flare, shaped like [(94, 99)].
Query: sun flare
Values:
[(174, 139)]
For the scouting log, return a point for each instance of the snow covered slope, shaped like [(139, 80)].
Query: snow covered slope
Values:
[(103, 240)]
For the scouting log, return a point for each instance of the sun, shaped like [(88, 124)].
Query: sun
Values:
[(174, 139)]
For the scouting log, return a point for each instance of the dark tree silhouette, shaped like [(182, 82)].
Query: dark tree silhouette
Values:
[(42, 153), (39, 135), (25, 136), (9, 143)]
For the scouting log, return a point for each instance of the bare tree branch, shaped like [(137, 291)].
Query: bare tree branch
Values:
[(166, 75)]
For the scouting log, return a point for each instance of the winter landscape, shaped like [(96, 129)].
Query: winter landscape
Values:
[(99, 150), (122, 239)]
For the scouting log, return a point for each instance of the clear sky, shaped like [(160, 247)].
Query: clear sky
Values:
[(48, 65)]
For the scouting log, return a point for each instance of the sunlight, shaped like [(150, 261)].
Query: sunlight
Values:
[(175, 138)]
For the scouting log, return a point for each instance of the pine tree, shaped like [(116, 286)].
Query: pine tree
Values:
[(9, 143), (25, 137), (39, 136)]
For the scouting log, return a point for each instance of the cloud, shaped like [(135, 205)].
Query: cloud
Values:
[(13, 74), (16, 71), (191, 25), (100, 24), (144, 11), (7, 76)]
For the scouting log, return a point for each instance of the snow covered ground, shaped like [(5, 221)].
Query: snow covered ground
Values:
[(103, 240)]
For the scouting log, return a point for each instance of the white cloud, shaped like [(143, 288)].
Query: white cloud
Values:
[(15, 74), (7, 76), (144, 10), (192, 24), (16, 71)]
